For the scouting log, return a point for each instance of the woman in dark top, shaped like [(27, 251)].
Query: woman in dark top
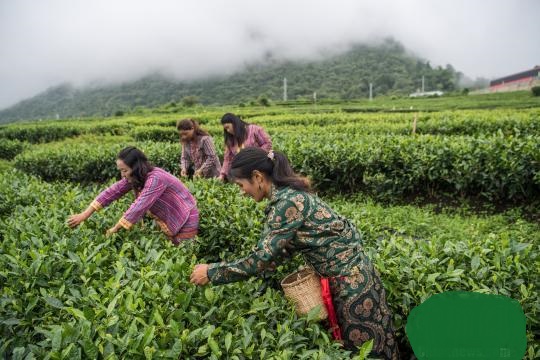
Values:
[(299, 221)]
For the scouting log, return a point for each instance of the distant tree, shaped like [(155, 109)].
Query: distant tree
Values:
[(535, 90), (118, 113), (263, 100), (189, 101)]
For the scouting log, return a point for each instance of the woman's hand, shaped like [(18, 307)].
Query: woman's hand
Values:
[(74, 220), (183, 173), (199, 276), (198, 173), (113, 230)]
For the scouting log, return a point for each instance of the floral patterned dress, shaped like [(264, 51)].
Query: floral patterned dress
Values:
[(298, 221)]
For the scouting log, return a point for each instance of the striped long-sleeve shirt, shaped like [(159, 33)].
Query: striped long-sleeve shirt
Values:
[(256, 136), (202, 154), (163, 195)]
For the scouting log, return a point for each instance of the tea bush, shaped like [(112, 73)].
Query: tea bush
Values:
[(460, 122), (93, 162), (491, 167), (496, 168), (167, 134), (90, 162), (76, 294), (222, 207), (39, 133), (464, 122), (70, 163), (155, 133), (10, 148), (420, 253)]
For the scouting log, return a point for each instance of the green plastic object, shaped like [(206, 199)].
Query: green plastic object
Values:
[(467, 325)]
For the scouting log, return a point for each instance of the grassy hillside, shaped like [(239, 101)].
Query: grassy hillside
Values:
[(391, 69)]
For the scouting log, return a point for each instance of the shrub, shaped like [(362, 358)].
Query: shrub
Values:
[(495, 168), (76, 293), (40, 133), (263, 100), (190, 101), (77, 163), (10, 148), (90, 163), (155, 133), (87, 295)]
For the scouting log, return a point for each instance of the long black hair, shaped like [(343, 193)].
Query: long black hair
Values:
[(138, 163), (240, 129), (273, 164)]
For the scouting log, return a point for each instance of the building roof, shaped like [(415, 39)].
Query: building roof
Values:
[(523, 74)]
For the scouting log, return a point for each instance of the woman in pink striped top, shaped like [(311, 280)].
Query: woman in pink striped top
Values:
[(238, 135), (198, 151), (157, 192)]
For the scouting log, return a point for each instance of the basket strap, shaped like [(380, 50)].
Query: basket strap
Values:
[(309, 266), (327, 299)]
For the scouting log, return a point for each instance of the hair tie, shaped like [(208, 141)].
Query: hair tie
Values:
[(271, 155)]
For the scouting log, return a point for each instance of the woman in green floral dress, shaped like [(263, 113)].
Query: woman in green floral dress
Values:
[(298, 221)]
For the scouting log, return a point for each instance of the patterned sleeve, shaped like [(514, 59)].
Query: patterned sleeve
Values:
[(112, 193), (275, 244), (227, 158), (184, 160), (263, 139), (209, 152), (153, 189)]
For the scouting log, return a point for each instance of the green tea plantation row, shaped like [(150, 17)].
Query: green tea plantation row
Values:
[(72, 294), (75, 293), (11, 148), (494, 168), (162, 127)]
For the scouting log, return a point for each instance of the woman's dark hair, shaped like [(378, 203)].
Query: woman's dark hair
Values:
[(190, 124), (274, 165), (137, 161), (240, 129)]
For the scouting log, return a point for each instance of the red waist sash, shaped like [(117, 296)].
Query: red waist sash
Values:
[(327, 299)]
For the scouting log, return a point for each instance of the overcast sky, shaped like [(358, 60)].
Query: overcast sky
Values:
[(47, 42)]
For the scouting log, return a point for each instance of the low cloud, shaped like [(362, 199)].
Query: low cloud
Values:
[(45, 43)]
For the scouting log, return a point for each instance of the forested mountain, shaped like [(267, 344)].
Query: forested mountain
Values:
[(389, 66)]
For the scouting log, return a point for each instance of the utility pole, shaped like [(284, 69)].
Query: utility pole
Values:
[(284, 89), (315, 97), (370, 91), (422, 83)]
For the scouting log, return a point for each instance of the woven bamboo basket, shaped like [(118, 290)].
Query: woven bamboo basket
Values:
[(303, 288)]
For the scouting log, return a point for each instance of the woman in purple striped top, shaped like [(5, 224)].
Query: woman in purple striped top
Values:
[(198, 150), (157, 192), (238, 135)]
